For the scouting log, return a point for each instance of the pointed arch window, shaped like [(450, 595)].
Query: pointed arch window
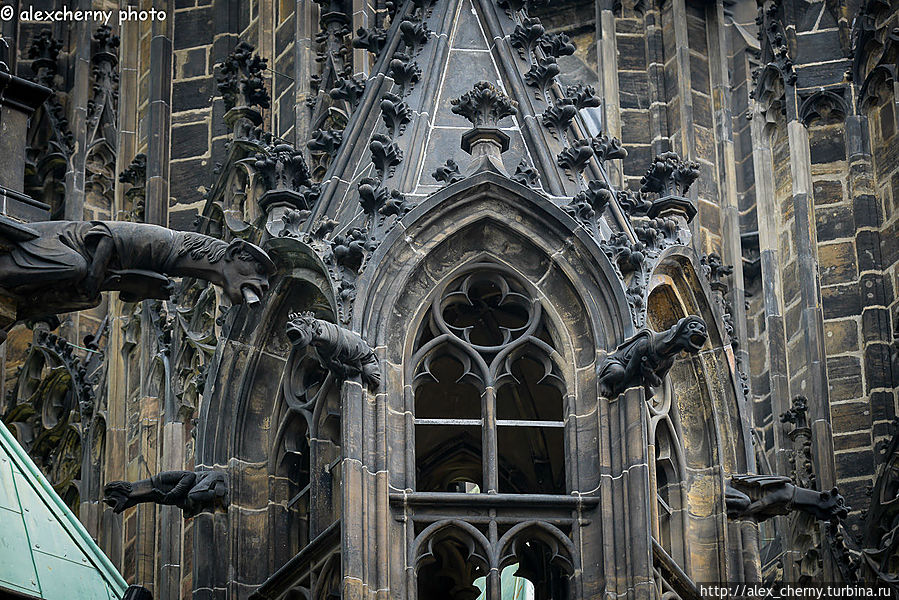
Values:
[(668, 525), (488, 391)]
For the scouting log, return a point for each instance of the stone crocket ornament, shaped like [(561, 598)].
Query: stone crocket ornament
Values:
[(191, 491), (761, 497), (647, 357), (339, 350), (61, 266)]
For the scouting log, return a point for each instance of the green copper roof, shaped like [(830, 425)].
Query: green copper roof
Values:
[(45, 552)]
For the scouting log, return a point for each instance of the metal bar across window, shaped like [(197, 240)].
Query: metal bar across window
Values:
[(522, 423), (476, 422)]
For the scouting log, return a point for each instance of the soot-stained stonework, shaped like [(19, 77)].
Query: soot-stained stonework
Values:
[(596, 299)]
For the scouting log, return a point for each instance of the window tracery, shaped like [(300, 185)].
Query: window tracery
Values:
[(488, 391), (668, 526), (53, 412), (307, 448)]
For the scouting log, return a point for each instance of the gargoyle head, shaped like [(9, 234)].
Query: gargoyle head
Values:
[(689, 334), (830, 506), (245, 272), (302, 328), (117, 494)]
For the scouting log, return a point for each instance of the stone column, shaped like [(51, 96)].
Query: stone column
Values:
[(731, 246), (770, 259), (111, 530), (625, 502), (303, 65), (812, 322), (79, 96), (607, 55), (356, 542), (159, 119)]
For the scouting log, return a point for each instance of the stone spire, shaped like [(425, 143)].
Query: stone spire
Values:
[(485, 106)]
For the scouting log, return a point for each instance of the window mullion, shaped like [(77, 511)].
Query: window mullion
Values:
[(491, 470)]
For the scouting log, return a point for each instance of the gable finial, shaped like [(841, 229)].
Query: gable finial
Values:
[(485, 106)]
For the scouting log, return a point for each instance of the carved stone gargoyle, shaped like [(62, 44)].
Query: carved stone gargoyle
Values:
[(191, 491), (61, 266), (760, 497), (339, 350), (647, 357)]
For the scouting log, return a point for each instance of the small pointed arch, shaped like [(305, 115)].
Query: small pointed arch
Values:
[(540, 553), (545, 359), (448, 557), (421, 367), (677, 289), (490, 216), (877, 88)]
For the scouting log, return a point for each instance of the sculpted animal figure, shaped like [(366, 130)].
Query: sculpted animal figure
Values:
[(647, 357), (62, 266), (193, 492), (761, 497), (339, 350)]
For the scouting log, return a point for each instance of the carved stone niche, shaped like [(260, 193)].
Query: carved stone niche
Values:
[(646, 358), (61, 266)]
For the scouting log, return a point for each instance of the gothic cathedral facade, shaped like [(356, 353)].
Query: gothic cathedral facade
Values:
[(469, 299)]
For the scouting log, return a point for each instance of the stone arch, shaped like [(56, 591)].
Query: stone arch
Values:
[(521, 216), (490, 219), (244, 422), (448, 556), (487, 218), (703, 409), (490, 337), (543, 554), (552, 536)]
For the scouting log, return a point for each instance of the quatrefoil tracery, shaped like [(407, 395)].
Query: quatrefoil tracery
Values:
[(486, 319)]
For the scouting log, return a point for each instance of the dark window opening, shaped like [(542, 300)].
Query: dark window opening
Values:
[(541, 571), (532, 398), (450, 571), (485, 350), (531, 460), (447, 457), (447, 396)]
